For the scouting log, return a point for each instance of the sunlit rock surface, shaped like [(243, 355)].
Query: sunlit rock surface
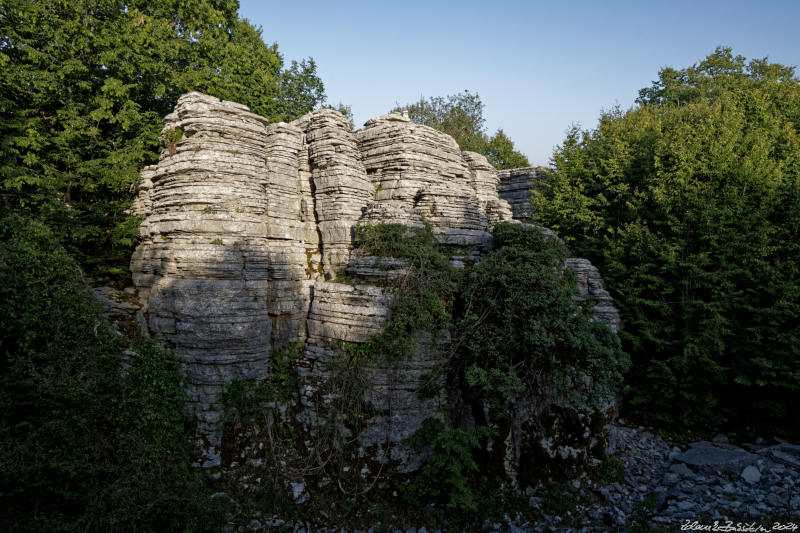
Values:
[(247, 246)]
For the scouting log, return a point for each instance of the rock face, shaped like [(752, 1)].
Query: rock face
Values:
[(248, 225), (590, 284), (247, 246), (515, 188)]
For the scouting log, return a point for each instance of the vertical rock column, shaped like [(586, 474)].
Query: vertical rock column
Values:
[(337, 194), (340, 185), (590, 284), (515, 188), (202, 266), (484, 181), (294, 249), (142, 190), (420, 172)]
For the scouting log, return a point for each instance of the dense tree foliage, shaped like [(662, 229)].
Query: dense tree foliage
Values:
[(690, 204), (84, 85), (458, 115), (501, 153), (461, 117), (521, 327), (93, 440)]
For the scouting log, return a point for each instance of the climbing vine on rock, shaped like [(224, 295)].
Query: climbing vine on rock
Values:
[(423, 297), (516, 328)]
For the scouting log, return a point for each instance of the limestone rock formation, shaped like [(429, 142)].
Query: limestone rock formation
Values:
[(515, 188), (247, 224), (247, 245), (590, 284)]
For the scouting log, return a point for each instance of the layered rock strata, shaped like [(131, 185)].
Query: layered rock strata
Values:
[(247, 245), (202, 268), (248, 226), (590, 285), (515, 188)]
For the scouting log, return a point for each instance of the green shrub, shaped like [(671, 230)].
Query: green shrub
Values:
[(517, 328), (451, 475), (639, 521), (92, 440), (558, 499), (611, 470), (520, 328), (423, 298)]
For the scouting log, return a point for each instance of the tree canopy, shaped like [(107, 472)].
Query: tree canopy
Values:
[(461, 117), (501, 153), (690, 204), (84, 85)]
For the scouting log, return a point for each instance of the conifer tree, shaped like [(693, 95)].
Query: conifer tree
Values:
[(690, 204)]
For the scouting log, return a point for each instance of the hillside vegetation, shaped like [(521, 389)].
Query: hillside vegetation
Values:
[(94, 427), (689, 203)]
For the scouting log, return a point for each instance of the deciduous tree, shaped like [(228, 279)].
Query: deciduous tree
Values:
[(84, 85), (461, 117)]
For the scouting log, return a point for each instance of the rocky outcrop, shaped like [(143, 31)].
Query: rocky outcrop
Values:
[(418, 171), (590, 285), (247, 245), (248, 225), (203, 265), (515, 188)]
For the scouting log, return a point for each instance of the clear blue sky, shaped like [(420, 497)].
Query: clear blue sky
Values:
[(537, 66)]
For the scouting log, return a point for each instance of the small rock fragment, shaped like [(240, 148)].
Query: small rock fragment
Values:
[(751, 474)]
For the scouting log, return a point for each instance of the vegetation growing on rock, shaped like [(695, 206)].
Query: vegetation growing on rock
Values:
[(690, 203), (520, 327), (423, 299), (516, 331)]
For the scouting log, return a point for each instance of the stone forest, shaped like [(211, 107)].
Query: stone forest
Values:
[(226, 307)]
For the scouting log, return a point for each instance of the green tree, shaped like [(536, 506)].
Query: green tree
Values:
[(458, 115), (84, 85), (501, 153), (520, 328), (689, 204), (461, 117)]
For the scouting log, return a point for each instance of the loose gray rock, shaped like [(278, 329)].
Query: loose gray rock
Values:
[(751, 474), (720, 439), (706, 454), (681, 469)]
